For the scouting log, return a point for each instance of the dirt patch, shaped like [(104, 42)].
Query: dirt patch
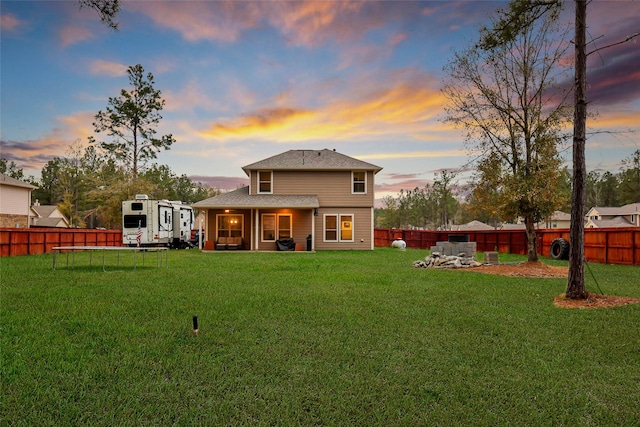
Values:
[(525, 269), (594, 301), (538, 269)]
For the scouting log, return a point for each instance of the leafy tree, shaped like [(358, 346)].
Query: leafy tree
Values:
[(56, 180), (445, 202), (506, 98), (485, 199), (564, 190), (421, 207), (503, 33), (630, 179), (601, 190), (593, 189), (161, 182), (388, 215), (131, 120), (11, 169), (610, 189), (465, 214)]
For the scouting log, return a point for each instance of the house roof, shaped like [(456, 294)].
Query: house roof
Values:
[(507, 226), (473, 225), (560, 216), (629, 209), (45, 219), (618, 221), (240, 198), (44, 211), (50, 222), (311, 160), (7, 180)]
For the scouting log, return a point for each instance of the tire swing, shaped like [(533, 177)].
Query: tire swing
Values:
[(559, 249)]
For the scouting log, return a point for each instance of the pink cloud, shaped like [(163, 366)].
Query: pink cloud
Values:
[(32, 155), (215, 21), (397, 39), (73, 35), (107, 68), (9, 22), (407, 104), (304, 23)]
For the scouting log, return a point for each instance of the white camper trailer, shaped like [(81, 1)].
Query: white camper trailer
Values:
[(156, 222), (183, 222)]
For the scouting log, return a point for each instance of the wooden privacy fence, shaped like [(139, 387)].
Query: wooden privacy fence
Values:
[(34, 241), (603, 245)]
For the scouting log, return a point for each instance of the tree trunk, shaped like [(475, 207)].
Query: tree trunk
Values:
[(532, 243), (575, 285)]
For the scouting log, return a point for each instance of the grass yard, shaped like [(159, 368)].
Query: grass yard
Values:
[(327, 338)]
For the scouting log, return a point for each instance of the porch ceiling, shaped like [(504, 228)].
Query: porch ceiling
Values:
[(240, 199)]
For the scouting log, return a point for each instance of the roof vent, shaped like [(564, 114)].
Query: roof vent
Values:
[(142, 197)]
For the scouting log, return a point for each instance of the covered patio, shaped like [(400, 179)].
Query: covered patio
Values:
[(238, 221)]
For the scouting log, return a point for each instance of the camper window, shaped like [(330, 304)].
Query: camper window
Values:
[(133, 221), (136, 206)]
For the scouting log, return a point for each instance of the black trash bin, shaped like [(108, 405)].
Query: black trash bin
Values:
[(309, 238)]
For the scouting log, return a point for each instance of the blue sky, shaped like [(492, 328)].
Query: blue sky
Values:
[(247, 80)]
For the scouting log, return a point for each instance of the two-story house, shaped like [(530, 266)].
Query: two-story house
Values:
[(15, 202), (623, 216), (321, 199)]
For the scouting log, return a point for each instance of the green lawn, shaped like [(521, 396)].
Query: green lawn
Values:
[(327, 338)]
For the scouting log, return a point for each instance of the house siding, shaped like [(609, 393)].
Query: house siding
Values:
[(333, 188), (14, 206), (362, 229)]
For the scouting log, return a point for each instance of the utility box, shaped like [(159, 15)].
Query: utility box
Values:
[(491, 257)]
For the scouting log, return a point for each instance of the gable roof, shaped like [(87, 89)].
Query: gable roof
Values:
[(473, 225), (311, 160), (45, 211), (618, 221), (560, 216), (240, 198), (46, 218), (7, 180), (629, 209)]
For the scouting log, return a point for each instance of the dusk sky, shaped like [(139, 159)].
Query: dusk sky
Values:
[(244, 81)]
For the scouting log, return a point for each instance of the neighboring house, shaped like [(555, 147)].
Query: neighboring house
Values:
[(15, 202), (624, 216), (558, 219), (48, 216), (319, 198), (474, 225)]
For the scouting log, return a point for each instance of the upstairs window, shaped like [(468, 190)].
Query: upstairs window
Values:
[(265, 184), (359, 182)]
